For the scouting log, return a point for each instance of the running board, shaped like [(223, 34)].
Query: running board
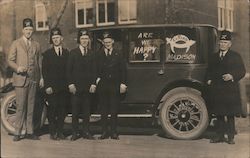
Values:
[(123, 115)]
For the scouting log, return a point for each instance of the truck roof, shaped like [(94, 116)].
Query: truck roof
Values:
[(151, 25)]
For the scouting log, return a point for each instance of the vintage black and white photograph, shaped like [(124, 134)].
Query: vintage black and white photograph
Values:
[(125, 78)]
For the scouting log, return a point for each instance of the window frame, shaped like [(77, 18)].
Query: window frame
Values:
[(45, 18), (106, 13), (226, 15), (79, 7), (128, 20)]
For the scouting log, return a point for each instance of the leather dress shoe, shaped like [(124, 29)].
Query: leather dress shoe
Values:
[(230, 141), (87, 135), (60, 136), (104, 136), (74, 137), (115, 136), (16, 138), (53, 137), (32, 137), (218, 140)]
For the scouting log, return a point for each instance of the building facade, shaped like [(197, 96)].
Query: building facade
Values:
[(71, 15)]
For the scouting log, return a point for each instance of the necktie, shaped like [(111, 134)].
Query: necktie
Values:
[(85, 50), (108, 52), (28, 44), (59, 51), (221, 55)]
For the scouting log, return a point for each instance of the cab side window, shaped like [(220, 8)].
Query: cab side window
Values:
[(181, 45), (145, 45)]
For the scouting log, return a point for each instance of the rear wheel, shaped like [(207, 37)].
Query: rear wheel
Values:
[(183, 114), (8, 114)]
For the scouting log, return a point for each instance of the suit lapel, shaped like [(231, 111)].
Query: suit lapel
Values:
[(23, 44)]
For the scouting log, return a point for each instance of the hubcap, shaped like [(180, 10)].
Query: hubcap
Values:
[(184, 115)]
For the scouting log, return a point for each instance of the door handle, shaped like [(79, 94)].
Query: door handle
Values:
[(160, 72)]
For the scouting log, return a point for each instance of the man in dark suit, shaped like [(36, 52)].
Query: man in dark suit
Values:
[(54, 73), (25, 59), (111, 82), (225, 70), (81, 74)]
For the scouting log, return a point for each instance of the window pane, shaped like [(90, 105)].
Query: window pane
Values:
[(80, 16), (101, 13), (181, 46), (40, 24), (132, 9), (145, 46), (89, 13), (111, 11), (123, 10)]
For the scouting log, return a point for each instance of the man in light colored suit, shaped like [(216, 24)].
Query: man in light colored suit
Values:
[(25, 59)]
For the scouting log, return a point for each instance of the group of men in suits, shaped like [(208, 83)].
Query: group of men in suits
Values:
[(80, 72), (68, 78)]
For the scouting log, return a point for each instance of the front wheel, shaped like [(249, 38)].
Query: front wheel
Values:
[(183, 114), (8, 114)]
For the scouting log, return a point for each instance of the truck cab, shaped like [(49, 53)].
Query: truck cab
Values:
[(166, 68)]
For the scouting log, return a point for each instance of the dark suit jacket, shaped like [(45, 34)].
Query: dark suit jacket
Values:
[(54, 69), (225, 95), (81, 70), (111, 67)]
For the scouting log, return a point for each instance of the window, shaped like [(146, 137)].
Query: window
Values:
[(225, 15), (145, 45), (84, 13), (105, 12), (127, 11), (41, 17), (181, 46)]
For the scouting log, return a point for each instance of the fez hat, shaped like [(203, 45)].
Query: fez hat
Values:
[(106, 35), (53, 32), (27, 22), (225, 35), (81, 32)]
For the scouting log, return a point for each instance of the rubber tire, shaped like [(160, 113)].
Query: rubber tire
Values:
[(171, 97), (8, 126)]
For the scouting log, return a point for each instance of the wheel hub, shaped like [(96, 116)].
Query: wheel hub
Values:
[(184, 116)]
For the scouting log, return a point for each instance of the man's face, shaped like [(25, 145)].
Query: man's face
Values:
[(108, 43), (84, 40), (27, 32), (57, 40), (225, 45)]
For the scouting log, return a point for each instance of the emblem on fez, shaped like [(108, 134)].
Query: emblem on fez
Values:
[(180, 41), (84, 32), (28, 23), (56, 32), (223, 36)]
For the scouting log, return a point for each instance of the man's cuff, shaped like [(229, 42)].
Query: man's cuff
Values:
[(71, 86), (98, 80)]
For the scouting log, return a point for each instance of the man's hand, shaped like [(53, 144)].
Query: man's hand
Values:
[(21, 69), (49, 90), (41, 83), (209, 82), (227, 77), (123, 88), (72, 88), (92, 88)]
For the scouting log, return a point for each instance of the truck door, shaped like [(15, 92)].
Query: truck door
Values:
[(145, 49)]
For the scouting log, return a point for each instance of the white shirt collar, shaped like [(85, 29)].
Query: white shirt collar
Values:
[(83, 49), (223, 52), (56, 48), (106, 51), (26, 40)]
